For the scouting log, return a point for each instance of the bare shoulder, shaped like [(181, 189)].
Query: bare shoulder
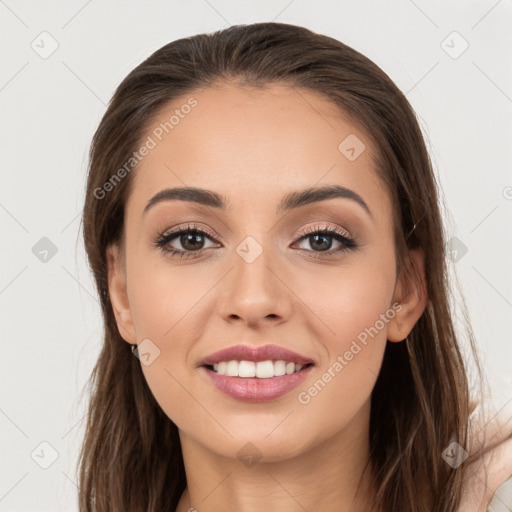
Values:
[(488, 472)]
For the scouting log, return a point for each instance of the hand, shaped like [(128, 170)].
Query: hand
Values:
[(487, 473)]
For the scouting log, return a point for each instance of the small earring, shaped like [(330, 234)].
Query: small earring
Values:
[(133, 348)]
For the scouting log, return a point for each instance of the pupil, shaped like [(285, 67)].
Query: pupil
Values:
[(186, 239), (323, 245)]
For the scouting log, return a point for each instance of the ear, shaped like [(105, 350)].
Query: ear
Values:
[(118, 294), (411, 293)]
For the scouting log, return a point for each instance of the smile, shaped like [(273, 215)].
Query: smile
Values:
[(256, 388), (260, 370)]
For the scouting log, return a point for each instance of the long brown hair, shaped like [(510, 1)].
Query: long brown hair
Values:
[(131, 458)]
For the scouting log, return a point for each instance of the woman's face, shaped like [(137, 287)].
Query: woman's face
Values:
[(259, 275)]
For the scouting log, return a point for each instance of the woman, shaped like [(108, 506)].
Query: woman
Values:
[(263, 226)]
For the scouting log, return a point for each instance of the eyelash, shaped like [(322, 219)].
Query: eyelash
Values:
[(164, 239)]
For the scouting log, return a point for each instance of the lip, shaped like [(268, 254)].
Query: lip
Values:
[(255, 354), (254, 389)]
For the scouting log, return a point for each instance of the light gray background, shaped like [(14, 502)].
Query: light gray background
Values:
[(51, 323)]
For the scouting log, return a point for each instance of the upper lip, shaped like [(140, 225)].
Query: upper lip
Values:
[(255, 354)]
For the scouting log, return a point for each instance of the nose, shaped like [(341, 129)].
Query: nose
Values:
[(256, 293)]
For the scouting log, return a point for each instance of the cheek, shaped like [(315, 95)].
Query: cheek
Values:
[(165, 303), (163, 299), (348, 301), (355, 309)]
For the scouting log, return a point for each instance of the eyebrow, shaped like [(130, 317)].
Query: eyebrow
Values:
[(290, 201)]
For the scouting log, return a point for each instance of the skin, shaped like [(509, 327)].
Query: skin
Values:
[(488, 473), (254, 146)]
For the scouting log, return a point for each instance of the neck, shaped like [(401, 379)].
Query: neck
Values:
[(328, 476)]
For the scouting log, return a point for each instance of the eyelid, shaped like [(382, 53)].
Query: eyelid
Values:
[(301, 233), (190, 227), (340, 234), (323, 226)]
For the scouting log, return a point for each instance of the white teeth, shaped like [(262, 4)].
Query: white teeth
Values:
[(264, 369), (247, 369), (232, 369), (290, 368), (261, 369), (279, 368)]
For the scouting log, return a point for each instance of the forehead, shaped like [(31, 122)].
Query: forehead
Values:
[(247, 142)]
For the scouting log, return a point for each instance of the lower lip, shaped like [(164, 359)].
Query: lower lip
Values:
[(254, 389)]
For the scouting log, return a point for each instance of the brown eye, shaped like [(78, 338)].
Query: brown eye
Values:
[(320, 239), (191, 241), (190, 238)]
